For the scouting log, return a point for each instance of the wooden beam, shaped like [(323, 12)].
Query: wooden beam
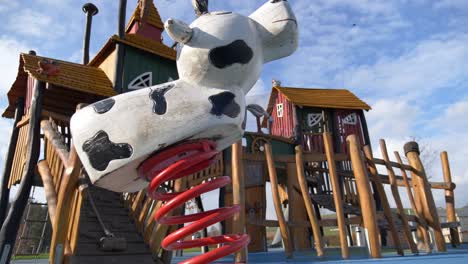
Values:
[(337, 196), (49, 189), (55, 139), (308, 157), (368, 210), (396, 196), (62, 220), (277, 202), (238, 197), (383, 198), (4, 190), (423, 194), (450, 199), (422, 226), (393, 164), (297, 209), (56, 116), (357, 220), (12, 222), (308, 203)]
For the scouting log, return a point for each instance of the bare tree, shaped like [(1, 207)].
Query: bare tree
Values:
[(428, 155)]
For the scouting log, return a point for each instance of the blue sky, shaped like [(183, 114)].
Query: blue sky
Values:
[(407, 59)]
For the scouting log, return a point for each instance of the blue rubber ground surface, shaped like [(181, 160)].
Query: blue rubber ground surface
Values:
[(359, 255), (276, 256)]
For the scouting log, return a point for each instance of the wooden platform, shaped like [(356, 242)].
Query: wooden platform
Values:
[(358, 255)]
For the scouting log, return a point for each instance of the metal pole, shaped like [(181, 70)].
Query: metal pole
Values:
[(90, 10)]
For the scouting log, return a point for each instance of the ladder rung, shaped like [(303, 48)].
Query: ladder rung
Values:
[(30, 238), (32, 203), (35, 221)]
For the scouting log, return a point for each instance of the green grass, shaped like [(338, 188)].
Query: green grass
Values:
[(40, 256)]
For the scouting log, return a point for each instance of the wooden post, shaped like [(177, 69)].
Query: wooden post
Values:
[(396, 196), (423, 193), (421, 226), (49, 189), (297, 210), (4, 190), (383, 199), (450, 199), (308, 203), (69, 183), (369, 214), (337, 196), (367, 142), (277, 202), (12, 222), (238, 197)]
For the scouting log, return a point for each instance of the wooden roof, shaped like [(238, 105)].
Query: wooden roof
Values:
[(135, 41), (17, 90), (153, 18), (73, 76), (323, 98), (313, 97), (148, 45)]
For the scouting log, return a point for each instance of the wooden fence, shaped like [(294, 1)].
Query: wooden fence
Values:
[(19, 160), (60, 171)]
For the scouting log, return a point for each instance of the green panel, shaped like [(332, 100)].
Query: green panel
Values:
[(137, 62), (310, 119), (278, 147)]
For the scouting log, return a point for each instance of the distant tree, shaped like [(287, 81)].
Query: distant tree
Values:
[(429, 155)]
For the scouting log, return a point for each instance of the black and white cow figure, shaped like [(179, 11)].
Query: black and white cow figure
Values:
[(221, 58)]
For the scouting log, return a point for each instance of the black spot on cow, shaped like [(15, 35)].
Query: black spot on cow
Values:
[(160, 103), (224, 104), (236, 52), (104, 106), (101, 151)]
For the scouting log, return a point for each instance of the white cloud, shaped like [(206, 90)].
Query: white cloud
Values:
[(9, 49), (53, 3), (452, 137), (455, 4), (436, 63), (31, 23), (397, 120), (392, 118), (5, 132), (7, 5)]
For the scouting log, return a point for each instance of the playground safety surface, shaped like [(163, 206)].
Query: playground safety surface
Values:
[(358, 255)]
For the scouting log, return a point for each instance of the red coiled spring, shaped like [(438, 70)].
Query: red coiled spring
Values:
[(176, 163)]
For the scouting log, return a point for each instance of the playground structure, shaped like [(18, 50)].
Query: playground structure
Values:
[(316, 155)]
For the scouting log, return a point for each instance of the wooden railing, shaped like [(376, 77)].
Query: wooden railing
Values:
[(418, 189), (60, 171), (19, 160)]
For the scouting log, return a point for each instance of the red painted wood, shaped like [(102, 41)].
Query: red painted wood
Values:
[(345, 130), (313, 143), (283, 126), (146, 30)]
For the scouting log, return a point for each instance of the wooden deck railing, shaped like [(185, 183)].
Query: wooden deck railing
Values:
[(19, 160), (60, 171)]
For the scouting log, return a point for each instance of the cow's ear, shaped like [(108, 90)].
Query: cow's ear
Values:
[(178, 30)]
